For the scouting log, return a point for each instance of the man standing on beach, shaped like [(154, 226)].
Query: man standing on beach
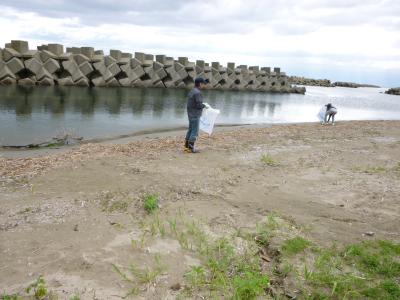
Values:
[(195, 107)]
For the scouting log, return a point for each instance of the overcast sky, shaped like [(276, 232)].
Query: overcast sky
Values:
[(342, 40)]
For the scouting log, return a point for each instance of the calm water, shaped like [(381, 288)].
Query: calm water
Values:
[(35, 114)]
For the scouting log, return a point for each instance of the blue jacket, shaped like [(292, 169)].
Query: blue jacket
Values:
[(195, 103)]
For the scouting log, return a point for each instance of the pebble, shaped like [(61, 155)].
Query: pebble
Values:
[(369, 233)]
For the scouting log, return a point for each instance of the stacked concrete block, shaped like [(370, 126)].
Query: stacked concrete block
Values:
[(153, 77), (107, 70), (116, 54), (216, 76), (45, 55), (56, 49), (148, 61), (159, 70), (190, 68), (15, 65), (33, 65), (27, 81), (84, 66), (131, 71), (31, 54), (51, 66), (172, 79), (180, 69), (103, 74), (66, 81), (20, 46), (44, 77), (97, 57), (72, 67), (9, 53), (172, 69), (87, 52), (112, 66), (6, 75), (42, 47), (73, 50), (125, 58), (169, 61), (267, 70), (152, 69), (199, 66)]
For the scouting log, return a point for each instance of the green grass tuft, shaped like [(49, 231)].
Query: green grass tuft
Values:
[(8, 297), (269, 161), (249, 285), (375, 170), (150, 203), (295, 245), (376, 257), (38, 288)]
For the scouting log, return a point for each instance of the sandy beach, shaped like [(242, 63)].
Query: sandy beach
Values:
[(73, 215)]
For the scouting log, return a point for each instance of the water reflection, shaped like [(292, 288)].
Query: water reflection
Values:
[(33, 114), (60, 100)]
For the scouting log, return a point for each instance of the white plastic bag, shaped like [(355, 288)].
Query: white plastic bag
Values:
[(321, 114), (207, 119)]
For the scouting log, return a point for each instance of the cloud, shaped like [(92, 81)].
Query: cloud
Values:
[(316, 35)]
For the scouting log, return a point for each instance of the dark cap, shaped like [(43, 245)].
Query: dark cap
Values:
[(199, 80)]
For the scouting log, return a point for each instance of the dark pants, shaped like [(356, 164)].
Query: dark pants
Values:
[(193, 130)]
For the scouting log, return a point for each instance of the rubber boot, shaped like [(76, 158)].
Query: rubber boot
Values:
[(191, 148), (187, 149)]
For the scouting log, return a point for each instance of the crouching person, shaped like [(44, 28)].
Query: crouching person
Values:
[(331, 111), (195, 107)]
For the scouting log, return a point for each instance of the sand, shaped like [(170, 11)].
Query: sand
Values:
[(58, 218)]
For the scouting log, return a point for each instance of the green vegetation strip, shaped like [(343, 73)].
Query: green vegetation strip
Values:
[(275, 260)]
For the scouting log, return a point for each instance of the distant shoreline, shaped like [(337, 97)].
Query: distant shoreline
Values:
[(327, 83)]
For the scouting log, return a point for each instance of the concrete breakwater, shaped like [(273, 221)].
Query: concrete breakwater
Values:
[(393, 91), (327, 83), (85, 66)]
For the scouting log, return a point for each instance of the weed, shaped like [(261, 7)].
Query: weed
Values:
[(364, 270), (367, 270), (196, 277), (286, 269), (224, 272), (295, 245), (376, 257), (150, 203), (265, 231), (375, 170), (138, 276), (74, 297), (8, 297), (172, 226), (160, 226), (269, 161), (387, 289), (183, 240), (249, 285), (38, 288)]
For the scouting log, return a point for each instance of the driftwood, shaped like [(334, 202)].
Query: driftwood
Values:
[(54, 142)]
